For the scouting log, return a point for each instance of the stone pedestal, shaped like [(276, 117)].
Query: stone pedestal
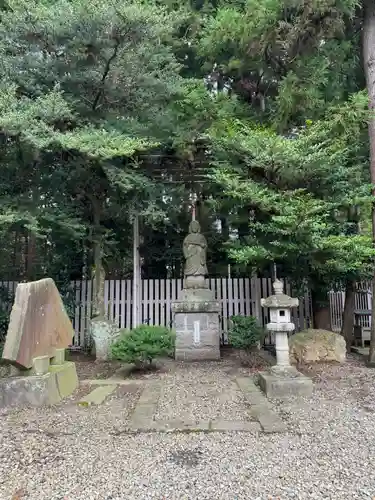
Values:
[(281, 383), (197, 325), (48, 382)]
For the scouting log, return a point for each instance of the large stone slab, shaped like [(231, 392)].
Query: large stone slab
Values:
[(39, 390), (38, 324)]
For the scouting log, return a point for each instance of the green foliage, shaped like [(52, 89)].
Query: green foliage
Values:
[(6, 303), (303, 195), (245, 332), (143, 344)]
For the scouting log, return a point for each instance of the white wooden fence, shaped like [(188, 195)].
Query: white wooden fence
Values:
[(362, 306), (236, 295)]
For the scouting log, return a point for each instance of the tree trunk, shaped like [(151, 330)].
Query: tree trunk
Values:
[(99, 273), (321, 312), (369, 67), (348, 314)]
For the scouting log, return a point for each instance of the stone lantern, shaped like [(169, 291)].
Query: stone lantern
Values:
[(282, 380)]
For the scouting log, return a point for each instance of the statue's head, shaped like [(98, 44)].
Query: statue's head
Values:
[(194, 227)]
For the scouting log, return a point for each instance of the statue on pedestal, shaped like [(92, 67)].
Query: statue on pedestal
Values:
[(195, 249)]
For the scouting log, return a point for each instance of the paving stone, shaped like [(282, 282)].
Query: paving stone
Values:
[(228, 425), (268, 419), (260, 408), (246, 384), (98, 395), (145, 408), (111, 380), (181, 425)]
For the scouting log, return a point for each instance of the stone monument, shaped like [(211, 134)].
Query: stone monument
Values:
[(39, 332), (196, 312), (103, 332), (283, 379)]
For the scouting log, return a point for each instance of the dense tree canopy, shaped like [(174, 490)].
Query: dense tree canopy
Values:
[(258, 108)]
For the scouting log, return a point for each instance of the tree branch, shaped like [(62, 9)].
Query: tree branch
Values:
[(105, 74)]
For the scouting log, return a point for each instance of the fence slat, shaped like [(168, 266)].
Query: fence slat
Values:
[(236, 296), (162, 302), (226, 314), (117, 302), (156, 310), (168, 311), (129, 302), (123, 304)]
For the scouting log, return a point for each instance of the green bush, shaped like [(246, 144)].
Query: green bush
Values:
[(143, 344), (245, 332)]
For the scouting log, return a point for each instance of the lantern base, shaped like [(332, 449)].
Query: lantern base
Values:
[(283, 384)]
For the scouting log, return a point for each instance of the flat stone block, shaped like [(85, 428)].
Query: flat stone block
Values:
[(234, 426), (41, 365), (32, 390), (66, 378), (98, 395), (284, 386), (59, 357), (198, 354)]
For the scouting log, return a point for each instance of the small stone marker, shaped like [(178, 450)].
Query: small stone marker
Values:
[(38, 324)]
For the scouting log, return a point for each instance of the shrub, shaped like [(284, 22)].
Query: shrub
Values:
[(143, 344), (245, 332)]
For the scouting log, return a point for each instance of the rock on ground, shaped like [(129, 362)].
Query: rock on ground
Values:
[(75, 453), (312, 346)]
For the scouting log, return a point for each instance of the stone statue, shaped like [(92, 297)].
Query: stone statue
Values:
[(195, 248)]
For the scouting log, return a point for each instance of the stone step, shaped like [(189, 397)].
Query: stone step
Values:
[(98, 395)]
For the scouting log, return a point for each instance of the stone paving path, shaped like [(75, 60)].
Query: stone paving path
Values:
[(214, 400)]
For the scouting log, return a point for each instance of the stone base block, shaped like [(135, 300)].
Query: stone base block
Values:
[(197, 328), (285, 385), (39, 390), (198, 354)]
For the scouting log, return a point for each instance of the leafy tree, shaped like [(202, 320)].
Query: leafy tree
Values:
[(298, 194)]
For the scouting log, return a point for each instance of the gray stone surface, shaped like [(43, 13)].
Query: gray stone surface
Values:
[(283, 386), (34, 390), (39, 390), (260, 408), (97, 395), (66, 451), (144, 411), (191, 344), (234, 426), (103, 333)]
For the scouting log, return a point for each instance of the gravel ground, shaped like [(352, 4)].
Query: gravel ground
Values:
[(201, 391), (72, 453)]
